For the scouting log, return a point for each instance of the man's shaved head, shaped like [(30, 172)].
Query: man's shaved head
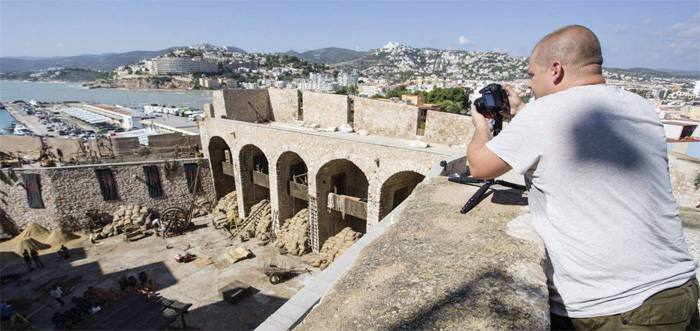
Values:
[(575, 46)]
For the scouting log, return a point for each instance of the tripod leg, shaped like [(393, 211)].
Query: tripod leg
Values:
[(476, 198)]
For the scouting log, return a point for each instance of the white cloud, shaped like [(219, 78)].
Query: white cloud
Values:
[(59, 45), (462, 40)]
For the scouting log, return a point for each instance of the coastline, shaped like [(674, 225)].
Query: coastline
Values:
[(80, 83), (13, 120)]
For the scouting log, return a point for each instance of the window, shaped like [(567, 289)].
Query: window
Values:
[(155, 190), (108, 185), (33, 186), (191, 174)]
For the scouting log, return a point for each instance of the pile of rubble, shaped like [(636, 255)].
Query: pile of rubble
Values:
[(293, 236), (128, 215), (336, 246), (260, 227), (201, 207), (227, 208)]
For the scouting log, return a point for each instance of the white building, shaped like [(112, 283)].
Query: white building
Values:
[(124, 117), (180, 65), (348, 78)]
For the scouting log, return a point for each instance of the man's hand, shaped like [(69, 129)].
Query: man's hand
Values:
[(516, 103), (481, 123), (482, 162)]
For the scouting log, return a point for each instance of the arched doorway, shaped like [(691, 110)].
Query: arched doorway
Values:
[(254, 176), (396, 189), (292, 185), (346, 186), (221, 164)]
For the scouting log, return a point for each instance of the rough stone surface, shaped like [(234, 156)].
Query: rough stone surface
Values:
[(69, 192), (285, 104), (385, 118), (325, 109), (446, 128), (438, 269)]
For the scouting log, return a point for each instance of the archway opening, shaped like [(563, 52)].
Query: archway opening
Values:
[(255, 176), (396, 189), (292, 185), (221, 164), (341, 189)]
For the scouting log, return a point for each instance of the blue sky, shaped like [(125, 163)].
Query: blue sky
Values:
[(651, 34)]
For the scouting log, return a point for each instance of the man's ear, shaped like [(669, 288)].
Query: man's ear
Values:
[(557, 72)]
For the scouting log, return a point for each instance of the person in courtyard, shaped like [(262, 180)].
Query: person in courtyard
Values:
[(27, 260), (35, 258)]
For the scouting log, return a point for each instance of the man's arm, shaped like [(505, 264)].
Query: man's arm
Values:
[(483, 163)]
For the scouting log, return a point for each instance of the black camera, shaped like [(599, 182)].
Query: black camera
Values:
[(494, 100)]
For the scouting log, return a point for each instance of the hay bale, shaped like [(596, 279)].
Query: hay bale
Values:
[(29, 244), (59, 237)]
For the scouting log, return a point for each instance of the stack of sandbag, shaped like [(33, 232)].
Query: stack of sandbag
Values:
[(226, 208), (336, 246), (201, 207), (238, 254), (293, 236), (125, 216), (259, 228)]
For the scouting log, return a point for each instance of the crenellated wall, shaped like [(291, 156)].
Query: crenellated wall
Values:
[(385, 118), (325, 109)]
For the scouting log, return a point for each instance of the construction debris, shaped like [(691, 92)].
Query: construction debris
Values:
[(201, 207), (238, 254), (264, 223), (226, 211), (293, 236), (125, 216), (336, 246)]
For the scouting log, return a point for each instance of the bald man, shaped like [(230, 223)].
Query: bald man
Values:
[(600, 193)]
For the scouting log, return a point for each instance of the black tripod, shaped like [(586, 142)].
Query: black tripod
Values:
[(479, 194)]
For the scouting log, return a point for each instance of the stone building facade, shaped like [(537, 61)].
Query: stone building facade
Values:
[(344, 179), (69, 192)]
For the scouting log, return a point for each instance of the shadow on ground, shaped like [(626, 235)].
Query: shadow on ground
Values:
[(249, 312)]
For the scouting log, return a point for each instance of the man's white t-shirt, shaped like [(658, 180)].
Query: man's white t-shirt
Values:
[(600, 197)]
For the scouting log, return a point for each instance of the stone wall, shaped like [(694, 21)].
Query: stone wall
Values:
[(71, 191), (684, 171), (70, 148), (236, 105), (325, 109), (284, 104), (385, 118), (447, 128), (169, 142), (22, 144), (125, 145)]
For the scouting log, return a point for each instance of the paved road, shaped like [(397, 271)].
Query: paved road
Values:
[(30, 121)]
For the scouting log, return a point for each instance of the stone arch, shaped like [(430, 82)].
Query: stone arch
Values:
[(350, 187), (292, 185), (396, 189), (255, 172), (221, 162)]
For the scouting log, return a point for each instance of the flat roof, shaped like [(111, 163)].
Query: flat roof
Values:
[(174, 122), (86, 116), (113, 109)]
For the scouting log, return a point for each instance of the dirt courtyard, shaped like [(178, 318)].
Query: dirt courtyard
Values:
[(196, 282)]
